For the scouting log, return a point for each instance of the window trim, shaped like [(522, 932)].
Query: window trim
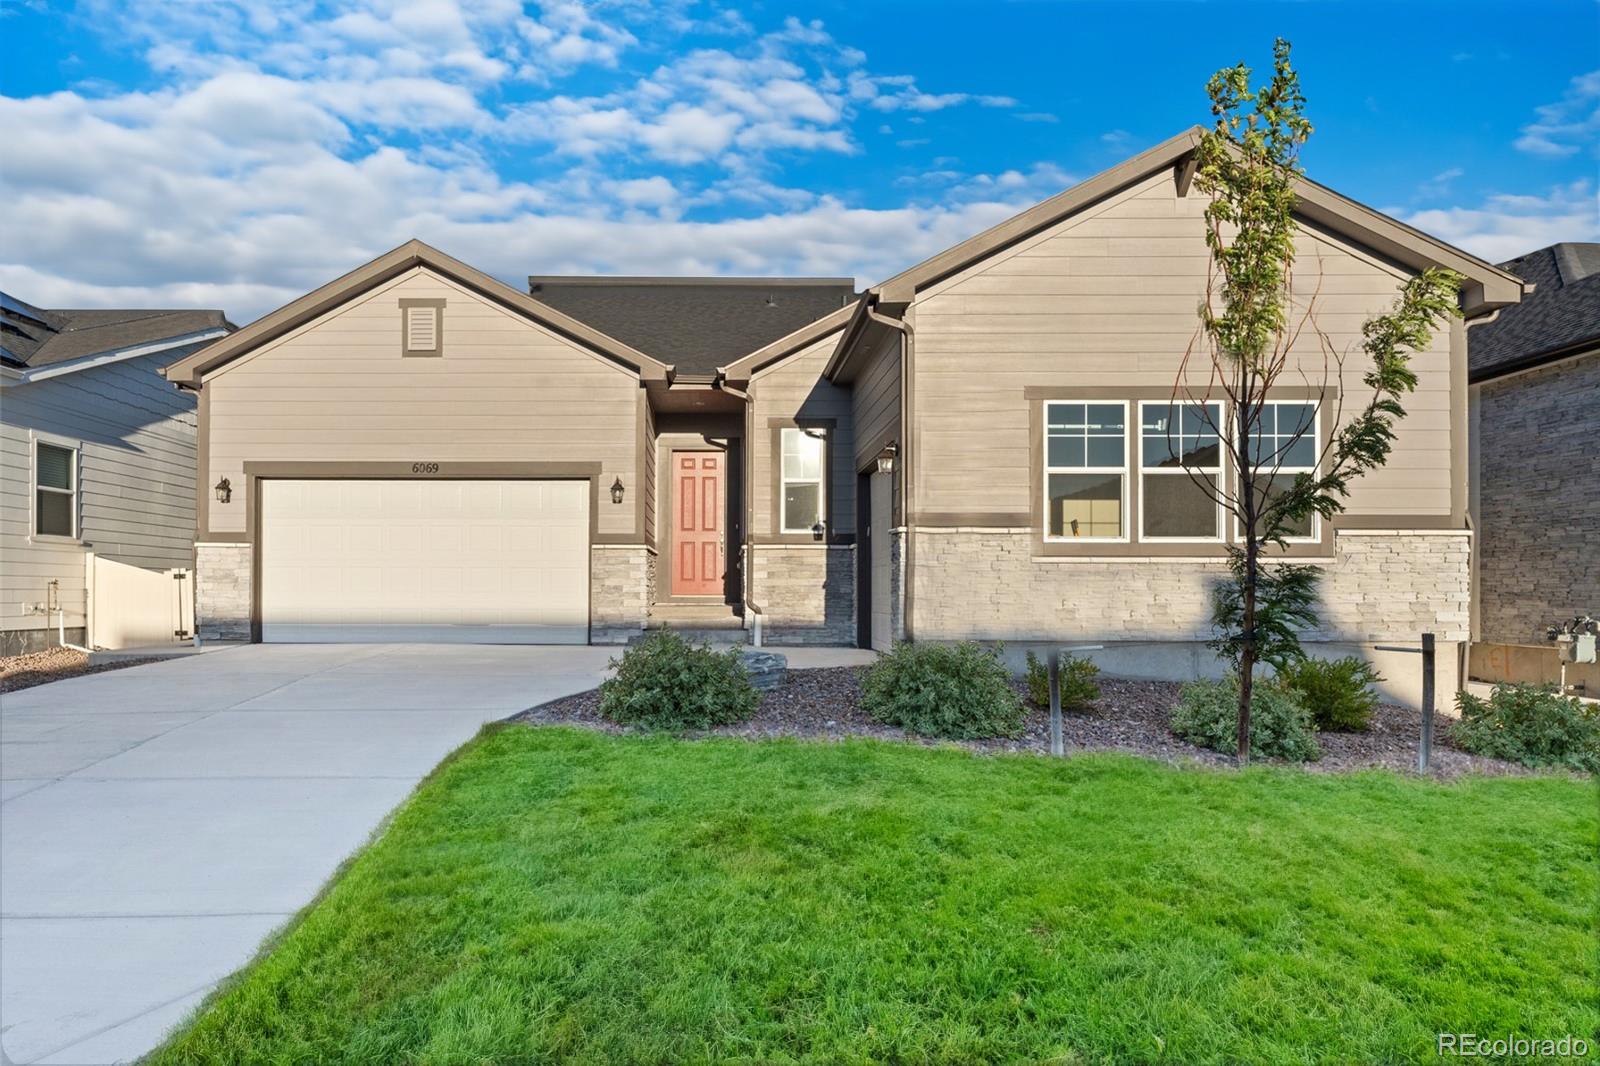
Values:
[(1315, 435), (1045, 470), (67, 444), (824, 435), (1220, 471), (406, 306)]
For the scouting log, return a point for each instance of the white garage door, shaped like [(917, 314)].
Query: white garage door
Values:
[(472, 562)]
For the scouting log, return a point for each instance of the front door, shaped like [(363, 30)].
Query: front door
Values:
[(697, 528)]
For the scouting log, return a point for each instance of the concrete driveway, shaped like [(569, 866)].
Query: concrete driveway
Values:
[(157, 822)]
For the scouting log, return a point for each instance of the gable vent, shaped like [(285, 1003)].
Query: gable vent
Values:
[(422, 329)]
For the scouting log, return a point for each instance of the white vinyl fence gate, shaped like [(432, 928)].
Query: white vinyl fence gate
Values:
[(130, 606)]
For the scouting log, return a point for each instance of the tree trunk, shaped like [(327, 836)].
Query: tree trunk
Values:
[(1247, 654)]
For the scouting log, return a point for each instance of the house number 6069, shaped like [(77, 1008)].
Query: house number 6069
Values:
[(424, 468)]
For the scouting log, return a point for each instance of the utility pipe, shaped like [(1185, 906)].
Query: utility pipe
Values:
[(747, 549), (907, 438)]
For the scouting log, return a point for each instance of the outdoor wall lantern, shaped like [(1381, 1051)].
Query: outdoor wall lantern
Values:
[(616, 491), (886, 458), (224, 491)]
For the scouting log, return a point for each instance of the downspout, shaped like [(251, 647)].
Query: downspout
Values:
[(747, 577), (907, 450)]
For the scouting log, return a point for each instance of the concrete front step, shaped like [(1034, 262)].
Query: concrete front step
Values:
[(720, 636)]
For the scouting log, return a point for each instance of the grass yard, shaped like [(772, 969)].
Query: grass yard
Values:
[(556, 894)]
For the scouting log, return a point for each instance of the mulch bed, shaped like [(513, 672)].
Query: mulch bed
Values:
[(1130, 716), (18, 672)]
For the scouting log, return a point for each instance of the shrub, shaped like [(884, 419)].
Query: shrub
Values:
[(1532, 725), (1334, 691), (664, 682), (1207, 714), (943, 690), (1078, 687)]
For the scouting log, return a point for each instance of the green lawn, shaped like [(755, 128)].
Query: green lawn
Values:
[(553, 894)]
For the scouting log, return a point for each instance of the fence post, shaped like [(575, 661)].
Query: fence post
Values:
[(1056, 745), (1425, 749)]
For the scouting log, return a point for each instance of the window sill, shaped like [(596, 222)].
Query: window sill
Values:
[(52, 538)]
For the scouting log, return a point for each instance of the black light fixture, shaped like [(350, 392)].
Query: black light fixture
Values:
[(886, 458), (616, 491), (224, 491)]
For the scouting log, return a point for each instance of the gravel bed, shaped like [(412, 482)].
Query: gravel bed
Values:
[(1130, 716), (18, 672)]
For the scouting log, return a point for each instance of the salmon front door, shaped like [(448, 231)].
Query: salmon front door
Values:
[(697, 529)]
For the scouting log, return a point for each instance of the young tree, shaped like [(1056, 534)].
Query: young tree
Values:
[(1252, 334)]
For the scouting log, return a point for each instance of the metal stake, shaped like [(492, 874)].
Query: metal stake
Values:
[(1056, 745), (1425, 749)]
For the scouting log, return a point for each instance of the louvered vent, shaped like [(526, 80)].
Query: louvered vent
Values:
[(422, 329)]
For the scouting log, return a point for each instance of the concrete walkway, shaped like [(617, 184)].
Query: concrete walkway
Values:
[(157, 822)]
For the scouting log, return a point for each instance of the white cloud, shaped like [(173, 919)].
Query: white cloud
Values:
[(1506, 226), (284, 145), (1565, 127)]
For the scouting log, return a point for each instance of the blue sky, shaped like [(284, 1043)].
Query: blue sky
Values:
[(236, 153)]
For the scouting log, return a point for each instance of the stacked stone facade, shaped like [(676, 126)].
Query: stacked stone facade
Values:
[(620, 580), (222, 591), (806, 593), (1538, 500), (986, 585)]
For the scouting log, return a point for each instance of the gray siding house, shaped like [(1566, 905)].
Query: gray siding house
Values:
[(1535, 381), (420, 451), (97, 456)]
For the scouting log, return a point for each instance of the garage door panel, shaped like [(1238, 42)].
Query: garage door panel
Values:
[(461, 561)]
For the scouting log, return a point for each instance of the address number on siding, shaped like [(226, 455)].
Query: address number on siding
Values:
[(424, 468)]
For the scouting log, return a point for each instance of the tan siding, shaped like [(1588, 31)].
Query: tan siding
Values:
[(796, 388), (504, 390), (875, 407), (1108, 299)]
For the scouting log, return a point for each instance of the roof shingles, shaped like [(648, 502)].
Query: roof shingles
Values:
[(1561, 314), (34, 337)]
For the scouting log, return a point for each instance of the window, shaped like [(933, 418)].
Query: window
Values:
[(55, 490), (1286, 437), (1086, 467), (1171, 505), (803, 483)]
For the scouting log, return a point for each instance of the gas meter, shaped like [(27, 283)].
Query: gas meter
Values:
[(1576, 640)]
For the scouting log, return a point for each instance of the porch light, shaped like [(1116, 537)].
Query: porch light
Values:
[(224, 491), (886, 458), (616, 491)]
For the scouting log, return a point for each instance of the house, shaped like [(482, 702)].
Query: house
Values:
[(98, 470), (1534, 380), (419, 451)]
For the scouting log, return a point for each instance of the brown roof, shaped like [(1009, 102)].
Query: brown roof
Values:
[(697, 324), (1561, 315), (35, 337)]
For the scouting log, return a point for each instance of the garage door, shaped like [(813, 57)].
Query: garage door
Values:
[(474, 562)]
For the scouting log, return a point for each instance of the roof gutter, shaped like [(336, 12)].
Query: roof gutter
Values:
[(1534, 361), (747, 567)]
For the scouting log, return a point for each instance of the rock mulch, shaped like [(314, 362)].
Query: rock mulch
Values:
[(18, 672), (1130, 717)]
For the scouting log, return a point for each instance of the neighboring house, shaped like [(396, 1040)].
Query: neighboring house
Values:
[(1535, 392), (418, 451), (97, 453)]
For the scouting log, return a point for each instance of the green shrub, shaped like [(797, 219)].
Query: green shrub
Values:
[(664, 682), (943, 690), (1078, 687), (1532, 725), (1207, 714), (1335, 691)]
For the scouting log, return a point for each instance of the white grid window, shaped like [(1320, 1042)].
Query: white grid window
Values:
[(1085, 470), (1283, 446), (804, 496), (1175, 442), (55, 490)]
